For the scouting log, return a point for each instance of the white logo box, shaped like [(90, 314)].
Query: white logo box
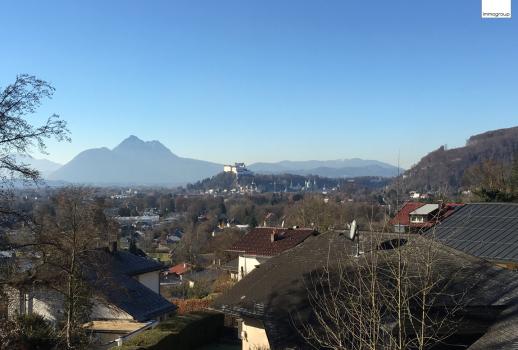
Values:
[(496, 8)]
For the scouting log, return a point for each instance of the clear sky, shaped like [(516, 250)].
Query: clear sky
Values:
[(267, 80)]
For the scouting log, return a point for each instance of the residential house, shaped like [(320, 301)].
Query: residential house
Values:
[(273, 303), (126, 297), (485, 230), (179, 270), (261, 243), (417, 216)]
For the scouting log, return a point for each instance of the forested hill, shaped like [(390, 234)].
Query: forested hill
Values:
[(443, 169), (287, 182)]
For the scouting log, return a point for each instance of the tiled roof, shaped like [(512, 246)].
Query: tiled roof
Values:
[(180, 269), (403, 215), (486, 230), (111, 276), (118, 286), (276, 292), (503, 334), (133, 297), (259, 240), (131, 264)]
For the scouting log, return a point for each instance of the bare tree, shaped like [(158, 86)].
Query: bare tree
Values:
[(18, 135), (393, 297), (67, 239)]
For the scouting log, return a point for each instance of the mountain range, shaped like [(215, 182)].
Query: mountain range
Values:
[(138, 162), (44, 166), (329, 168), (134, 161)]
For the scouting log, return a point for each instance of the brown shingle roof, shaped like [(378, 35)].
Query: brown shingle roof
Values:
[(259, 240)]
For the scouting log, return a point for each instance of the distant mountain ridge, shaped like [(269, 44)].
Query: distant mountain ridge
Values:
[(44, 166), (134, 161), (329, 168), (443, 169), (139, 162)]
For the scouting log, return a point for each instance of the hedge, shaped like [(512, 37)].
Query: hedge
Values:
[(187, 306), (182, 332)]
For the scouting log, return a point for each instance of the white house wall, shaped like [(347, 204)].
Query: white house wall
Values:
[(253, 335), (49, 304), (44, 302), (247, 263)]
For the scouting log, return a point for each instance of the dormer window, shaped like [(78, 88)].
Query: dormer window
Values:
[(417, 219)]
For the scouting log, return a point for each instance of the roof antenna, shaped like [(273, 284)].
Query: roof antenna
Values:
[(354, 232)]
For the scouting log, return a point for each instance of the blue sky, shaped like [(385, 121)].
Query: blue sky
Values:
[(267, 80)]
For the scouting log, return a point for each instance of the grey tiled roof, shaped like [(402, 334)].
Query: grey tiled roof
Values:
[(485, 230), (133, 297), (118, 286), (131, 264), (275, 292), (503, 334)]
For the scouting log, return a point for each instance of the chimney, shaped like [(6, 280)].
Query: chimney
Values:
[(113, 247), (273, 236)]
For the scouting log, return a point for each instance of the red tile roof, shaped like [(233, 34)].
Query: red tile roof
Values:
[(259, 240), (403, 216), (180, 269)]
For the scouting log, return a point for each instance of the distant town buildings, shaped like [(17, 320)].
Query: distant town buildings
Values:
[(143, 219)]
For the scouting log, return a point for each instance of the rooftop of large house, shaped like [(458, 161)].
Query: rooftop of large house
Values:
[(271, 241), (276, 293), (120, 288), (485, 230), (403, 215), (437, 211), (111, 273)]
